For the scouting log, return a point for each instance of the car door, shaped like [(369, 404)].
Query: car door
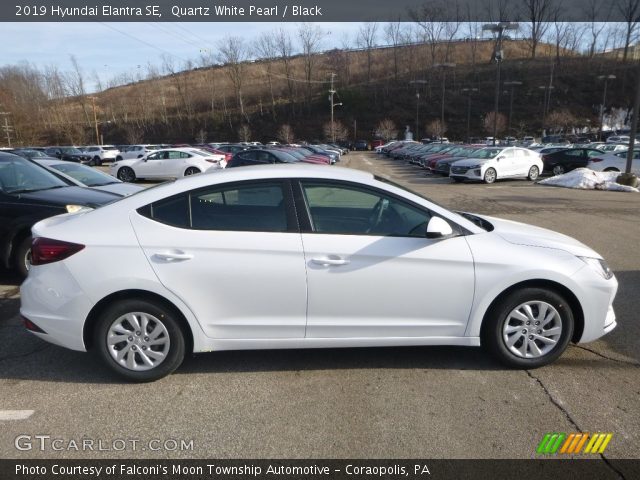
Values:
[(152, 165), (233, 254), (371, 271), (174, 165)]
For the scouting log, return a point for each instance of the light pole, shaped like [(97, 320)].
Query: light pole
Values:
[(498, 28), (6, 127), (416, 83), (545, 104), (469, 91), (95, 120), (512, 84), (443, 67), (606, 79), (332, 92)]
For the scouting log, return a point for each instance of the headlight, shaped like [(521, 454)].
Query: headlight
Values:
[(473, 166), (77, 208), (599, 265)]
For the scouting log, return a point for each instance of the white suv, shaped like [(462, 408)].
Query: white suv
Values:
[(102, 153)]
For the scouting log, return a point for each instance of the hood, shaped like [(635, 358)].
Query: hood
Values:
[(523, 234), (120, 188), (70, 196)]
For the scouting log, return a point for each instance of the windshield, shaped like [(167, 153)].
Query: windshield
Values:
[(487, 153), (86, 175), (18, 175)]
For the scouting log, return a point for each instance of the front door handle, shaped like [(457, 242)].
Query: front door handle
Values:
[(176, 256), (330, 261)]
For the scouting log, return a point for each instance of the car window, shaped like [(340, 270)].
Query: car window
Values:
[(19, 175), (574, 153), (351, 210), (156, 156), (250, 208), (593, 153)]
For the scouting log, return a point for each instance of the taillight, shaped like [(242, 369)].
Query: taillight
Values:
[(47, 250), (595, 160), (211, 160)]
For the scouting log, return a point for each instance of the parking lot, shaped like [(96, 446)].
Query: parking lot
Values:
[(427, 402)]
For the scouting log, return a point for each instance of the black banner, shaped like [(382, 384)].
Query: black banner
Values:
[(593, 469), (306, 10)]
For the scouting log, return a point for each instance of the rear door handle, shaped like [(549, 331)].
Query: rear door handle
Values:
[(330, 261), (173, 256)]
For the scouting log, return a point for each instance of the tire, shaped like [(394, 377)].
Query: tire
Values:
[(534, 173), (191, 171), (126, 174), (490, 175), (138, 317), (502, 325), (611, 169), (558, 170), (118, 158), (22, 257), (458, 179), (96, 161)]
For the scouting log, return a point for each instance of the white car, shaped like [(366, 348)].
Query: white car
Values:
[(614, 147), (84, 176), (136, 151), (291, 256), (167, 163), (615, 162), (494, 163), (101, 153)]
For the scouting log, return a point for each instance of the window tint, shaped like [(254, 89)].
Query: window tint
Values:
[(251, 208), (345, 209)]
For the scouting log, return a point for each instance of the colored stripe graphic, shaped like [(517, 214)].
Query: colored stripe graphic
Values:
[(573, 443)]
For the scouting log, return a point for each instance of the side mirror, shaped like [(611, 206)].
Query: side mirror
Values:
[(438, 228)]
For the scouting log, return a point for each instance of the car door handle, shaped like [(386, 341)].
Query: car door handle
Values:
[(330, 261), (173, 256)]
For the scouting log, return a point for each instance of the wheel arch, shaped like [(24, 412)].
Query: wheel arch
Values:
[(101, 306), (574, 303)]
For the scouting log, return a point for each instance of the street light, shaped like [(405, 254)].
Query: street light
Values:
[(498, 28), (606, 79), (416, 83), (469, 91), (545, 104), (443, 67), (512, 83)]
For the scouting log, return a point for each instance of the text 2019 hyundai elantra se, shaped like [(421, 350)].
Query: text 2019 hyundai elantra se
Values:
[(301, 256)]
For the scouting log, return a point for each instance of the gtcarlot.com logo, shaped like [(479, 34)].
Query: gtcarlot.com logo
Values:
[(574, 443)]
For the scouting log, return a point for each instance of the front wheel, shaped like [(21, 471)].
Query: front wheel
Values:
[(534, 173), (490, 175), (140, 340), (529, 328), (97, 161), (126, 174)]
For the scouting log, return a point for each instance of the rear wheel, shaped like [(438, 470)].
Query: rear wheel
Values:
[(558, 170), (611, 169), (191, 171), (22, 257), (126, 174), (96, 161), (490, 175), (534, 173), (529, 328), (141, 340)]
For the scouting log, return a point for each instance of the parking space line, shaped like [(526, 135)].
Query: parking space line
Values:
[(15, 414)]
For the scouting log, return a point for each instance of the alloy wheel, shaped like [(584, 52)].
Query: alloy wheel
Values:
[(532, 329)]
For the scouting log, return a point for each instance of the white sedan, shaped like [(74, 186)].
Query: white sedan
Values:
[(615, 162), (167, 163), (291, 256), (494, 163)]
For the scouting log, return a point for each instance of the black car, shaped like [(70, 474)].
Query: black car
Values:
[(568, 159), (71, 154), (260, 157), (30, 193), (31, 153)]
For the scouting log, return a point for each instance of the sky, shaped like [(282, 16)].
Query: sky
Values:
[(110, 49)]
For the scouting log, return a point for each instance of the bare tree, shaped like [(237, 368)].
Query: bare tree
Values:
[(233, 53), (560, 120), (630, 11), (436, 128), (366, 40), (336, 130), (597, 15), (427, 19), (244, 133), (538, 14), (500, 121), (284, 48), (394, 36), (266, 48), (75, 80), (386, 129), (201, 136), (285, 133), (310, 38)]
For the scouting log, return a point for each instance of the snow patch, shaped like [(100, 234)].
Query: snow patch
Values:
[(587, 179)]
